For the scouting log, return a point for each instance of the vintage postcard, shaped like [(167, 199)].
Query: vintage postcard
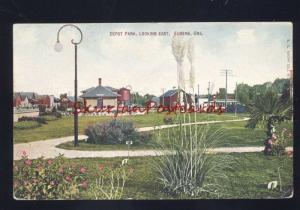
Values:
[(108, 111)]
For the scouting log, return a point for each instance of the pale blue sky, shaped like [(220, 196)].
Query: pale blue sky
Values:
[(255, 52)]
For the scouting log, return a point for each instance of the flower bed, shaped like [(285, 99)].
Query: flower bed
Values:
[(61, 178)]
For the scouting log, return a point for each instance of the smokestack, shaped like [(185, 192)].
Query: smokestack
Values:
[(99, 81)]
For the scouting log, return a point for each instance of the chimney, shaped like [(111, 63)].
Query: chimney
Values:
[(99, 81)]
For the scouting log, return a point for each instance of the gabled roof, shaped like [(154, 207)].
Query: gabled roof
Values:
[(29, 95), (172, 92), (99, 91), (23, 97)]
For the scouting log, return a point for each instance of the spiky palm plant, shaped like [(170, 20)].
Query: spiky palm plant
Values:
[(267, 110)]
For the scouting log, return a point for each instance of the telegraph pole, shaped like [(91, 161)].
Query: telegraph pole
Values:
[(235, 98), (226, 73), (208, 91), (163, 97), (198, 97)]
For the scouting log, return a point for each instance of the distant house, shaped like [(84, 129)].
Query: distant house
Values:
[(103, 96), (17, 100), (124, 94), (170, 98), (69, 101), (46, 100), (24, 99)]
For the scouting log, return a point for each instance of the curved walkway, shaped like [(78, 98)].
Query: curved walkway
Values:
[(48, 149)]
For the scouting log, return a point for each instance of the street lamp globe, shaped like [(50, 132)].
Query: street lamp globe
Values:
[(58, 47)]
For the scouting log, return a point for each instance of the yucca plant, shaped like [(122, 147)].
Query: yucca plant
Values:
[(182, 175)]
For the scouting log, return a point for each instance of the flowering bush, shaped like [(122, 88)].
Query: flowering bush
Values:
[(113, 132), (279, 142), (111, 181), (48, 179)]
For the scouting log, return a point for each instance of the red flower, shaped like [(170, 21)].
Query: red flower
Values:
[(83, 170), (50, 161), (28, 162), (68, 178), (101, 167), (84, 184)]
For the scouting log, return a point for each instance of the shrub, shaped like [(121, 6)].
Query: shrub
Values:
[(62, 108), (143, 138), (113, 132), (187, 168), (42, 108), (54, 178), (37, 119), (110, 182), (26, 125), (168, 119), (49, 117), (279, 142), (54, 114)]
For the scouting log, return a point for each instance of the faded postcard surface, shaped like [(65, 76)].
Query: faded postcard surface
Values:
[(153, 111)]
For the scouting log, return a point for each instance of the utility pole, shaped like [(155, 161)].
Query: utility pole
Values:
[(235, 99), (163, 97), (208, 91), (198, 97), (226, 73)]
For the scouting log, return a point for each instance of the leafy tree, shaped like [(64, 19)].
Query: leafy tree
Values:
[(64, 95), (243, 93), (281, 85), (222, 93), (148, 96)]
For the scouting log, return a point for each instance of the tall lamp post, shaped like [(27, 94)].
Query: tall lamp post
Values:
[(58, 47)]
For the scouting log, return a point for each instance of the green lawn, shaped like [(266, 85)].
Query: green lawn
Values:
[(64, 126), (248, 179), (235, 135)]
